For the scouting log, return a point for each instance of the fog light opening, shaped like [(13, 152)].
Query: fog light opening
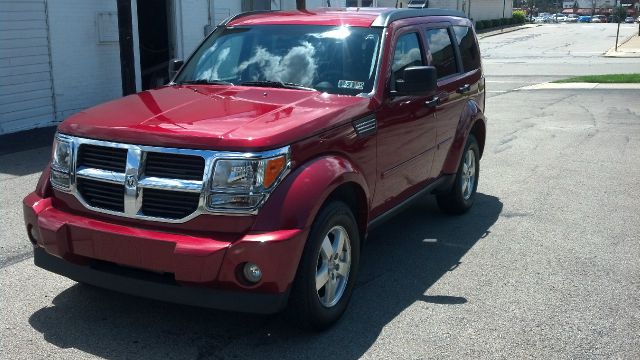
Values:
[(33, 234), (252, 273)]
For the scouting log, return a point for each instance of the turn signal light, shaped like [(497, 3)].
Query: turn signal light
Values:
[(272, 170)]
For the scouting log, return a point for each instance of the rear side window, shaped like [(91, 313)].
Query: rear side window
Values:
[(468, 47), (442, 52), (406, 54)]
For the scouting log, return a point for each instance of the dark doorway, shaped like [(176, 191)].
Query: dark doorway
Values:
[(154, 42)]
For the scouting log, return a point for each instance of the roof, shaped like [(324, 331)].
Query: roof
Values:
[(363, 17)]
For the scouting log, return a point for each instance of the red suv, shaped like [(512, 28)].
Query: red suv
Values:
[(250, 181)]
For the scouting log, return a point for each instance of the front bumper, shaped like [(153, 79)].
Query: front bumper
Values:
[(264, 303), (201, 271)]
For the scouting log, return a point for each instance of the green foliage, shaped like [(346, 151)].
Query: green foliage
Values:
[(519, 17), (612, 78), (619, 13), (480, 25)]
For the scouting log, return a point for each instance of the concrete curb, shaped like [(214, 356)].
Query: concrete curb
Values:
[(507, 30), (581, 86)]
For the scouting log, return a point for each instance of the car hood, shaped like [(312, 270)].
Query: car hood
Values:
[(216, 117)]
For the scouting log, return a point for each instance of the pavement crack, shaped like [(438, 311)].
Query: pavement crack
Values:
[(14, 259)]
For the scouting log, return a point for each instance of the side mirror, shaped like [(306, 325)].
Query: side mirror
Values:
[(418, 80), (174, 67)]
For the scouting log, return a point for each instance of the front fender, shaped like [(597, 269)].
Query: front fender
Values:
[(296, 201), (470, 115)]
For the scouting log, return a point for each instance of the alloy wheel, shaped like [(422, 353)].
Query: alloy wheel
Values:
[(334, 264), (468, 174)]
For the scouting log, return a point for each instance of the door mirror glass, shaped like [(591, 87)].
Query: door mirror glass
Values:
[(418, 80), (174, 67)]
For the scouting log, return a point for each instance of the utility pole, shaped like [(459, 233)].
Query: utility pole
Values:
[(504, 6)]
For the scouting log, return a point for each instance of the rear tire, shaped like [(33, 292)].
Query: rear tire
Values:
[(328, 268), (461, 196)]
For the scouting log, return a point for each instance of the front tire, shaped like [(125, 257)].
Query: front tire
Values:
[(461, 196), (328, 268)]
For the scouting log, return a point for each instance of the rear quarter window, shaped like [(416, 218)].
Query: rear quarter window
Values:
[(442, 53), (469, 50)]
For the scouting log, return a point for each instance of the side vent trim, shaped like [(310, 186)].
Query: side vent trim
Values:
[(365, 126)]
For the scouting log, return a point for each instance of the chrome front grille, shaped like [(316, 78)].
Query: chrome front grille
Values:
[(148, 182), (137, 181)]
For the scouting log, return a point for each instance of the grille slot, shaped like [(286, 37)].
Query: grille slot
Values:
[(365, 126), (169, 204), (174, 166), (101, 194), (102, 157)]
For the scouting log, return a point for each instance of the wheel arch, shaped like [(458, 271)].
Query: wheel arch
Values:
[(472, 121), (355, 198), (297, 200)]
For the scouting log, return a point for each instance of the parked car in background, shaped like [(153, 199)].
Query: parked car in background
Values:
[(559, 18), (572, 18), (599, 19), (542, 19), (629, 20), (584, 19)]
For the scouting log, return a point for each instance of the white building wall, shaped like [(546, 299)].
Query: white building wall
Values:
[(311, 4), (26, 99), (191, 18), (480, 9), (489, 9), (86, 64)]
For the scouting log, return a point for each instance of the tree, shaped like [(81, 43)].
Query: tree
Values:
[(618, 13)]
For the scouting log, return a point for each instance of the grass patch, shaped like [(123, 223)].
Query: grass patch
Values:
[(608, 79)]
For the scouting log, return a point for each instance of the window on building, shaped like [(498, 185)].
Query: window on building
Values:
[(406, 54), (468, 48), (442, 52)]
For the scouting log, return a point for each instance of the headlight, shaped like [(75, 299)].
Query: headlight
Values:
[(61, 163), (243, 183)]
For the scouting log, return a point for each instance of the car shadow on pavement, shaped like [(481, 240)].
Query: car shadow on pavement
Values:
[(25, 152), (401, 261), (25, 162)]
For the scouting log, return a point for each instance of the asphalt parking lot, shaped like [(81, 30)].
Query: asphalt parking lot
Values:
[(547, 263)]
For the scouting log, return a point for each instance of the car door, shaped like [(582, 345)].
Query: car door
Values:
[(453, 88), (406, 128)]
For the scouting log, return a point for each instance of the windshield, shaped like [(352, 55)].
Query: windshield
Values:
[(336, 60)]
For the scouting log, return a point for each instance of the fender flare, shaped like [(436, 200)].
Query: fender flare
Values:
[(468, 118), (296, 201)]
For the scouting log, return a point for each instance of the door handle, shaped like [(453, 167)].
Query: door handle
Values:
[(435, 101), (464, 89)]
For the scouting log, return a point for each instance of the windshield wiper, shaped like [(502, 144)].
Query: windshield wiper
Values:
[(276, 84), (204, 82)]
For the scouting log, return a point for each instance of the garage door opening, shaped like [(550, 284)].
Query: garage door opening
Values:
[(154, 42)]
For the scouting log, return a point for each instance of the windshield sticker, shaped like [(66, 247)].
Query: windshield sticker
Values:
[(348, 84)]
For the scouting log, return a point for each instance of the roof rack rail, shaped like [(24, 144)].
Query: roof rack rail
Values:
[(241, 15), (384, 19)]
